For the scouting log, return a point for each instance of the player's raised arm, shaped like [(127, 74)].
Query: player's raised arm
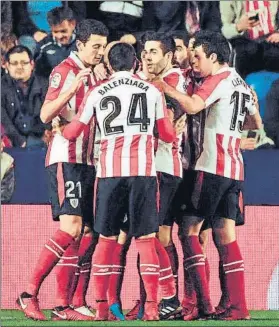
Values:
[(81, 119), (164, 126), (56, 99), (190, 104)]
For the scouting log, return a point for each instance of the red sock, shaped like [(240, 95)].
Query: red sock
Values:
[(195, 263), (102, 261), (142, 289), (149, 267), (207, 270), (189, 297), (50, 255), (85, 253), (166, 279), (172, 252), (234, 270), (65, 272), (224, 301), (116, 276)]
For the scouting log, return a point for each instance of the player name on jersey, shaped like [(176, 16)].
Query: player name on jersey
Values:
[(123, 81)]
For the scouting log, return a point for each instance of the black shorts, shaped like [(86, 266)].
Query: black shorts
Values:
[(182, 202), (215, 196), (240, 217), (168, 186), (71, 189), (135, 196)]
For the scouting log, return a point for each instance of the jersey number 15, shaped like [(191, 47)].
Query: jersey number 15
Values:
[(239, 101), (138, 99)]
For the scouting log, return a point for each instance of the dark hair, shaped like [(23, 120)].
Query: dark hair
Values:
[(18, 49), (181, 35), (58, 14), (87, 27), (122, 57), (166, 40), (213, 42)]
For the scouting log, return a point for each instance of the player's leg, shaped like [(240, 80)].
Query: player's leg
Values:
[(167, 254), (117, 275), (203, 238), (56, 246), (111, 198), (144, 224), (230, 255), (182, 206), (205, 199), (87, 244)]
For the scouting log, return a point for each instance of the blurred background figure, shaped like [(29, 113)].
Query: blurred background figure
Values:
[(59, 43), (271, 115), (7, 172), (252, 28), (22, 96)]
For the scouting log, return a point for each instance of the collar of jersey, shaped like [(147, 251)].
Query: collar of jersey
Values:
[(172, 70), (77, 61), (222, 70), (122, 73)]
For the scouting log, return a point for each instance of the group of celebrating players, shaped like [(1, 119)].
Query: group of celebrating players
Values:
[(140, 147)]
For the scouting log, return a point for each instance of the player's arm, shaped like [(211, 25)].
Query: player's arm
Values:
[(253, 119), (55, 101), (164, 126), (190, 104), (81, 119)]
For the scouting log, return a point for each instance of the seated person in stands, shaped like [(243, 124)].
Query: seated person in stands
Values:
[(253, 30), (59, 43), (7, 172), (271, 116), (22, 96)]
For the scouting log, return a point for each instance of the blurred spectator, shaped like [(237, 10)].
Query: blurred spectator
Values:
[(59, 43), (15, 18), (22, 96), (271, 116), (252, 28), (121, 17), (7, 42), (7, 172)]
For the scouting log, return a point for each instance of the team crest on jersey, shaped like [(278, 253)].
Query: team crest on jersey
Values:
[(55, 80), (74, 203)]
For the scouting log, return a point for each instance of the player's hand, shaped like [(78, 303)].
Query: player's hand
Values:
[(245, 23), (56, 128), (273, 38), (100, 72), (179, 125), (80, 78), (39, 36), (248, 144), (128, 38)]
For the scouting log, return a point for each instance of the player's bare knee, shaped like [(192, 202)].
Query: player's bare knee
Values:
[(122, 238), (224, 231), (164, 235), (71, 225), (203, 238), (152, 235), (87, 231)]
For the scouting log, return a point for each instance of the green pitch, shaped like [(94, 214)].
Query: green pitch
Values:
[(16, 318)]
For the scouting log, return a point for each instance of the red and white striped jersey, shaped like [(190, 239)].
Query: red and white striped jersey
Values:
[(168, 156), (228, 100), (60, 149), (126, 109)]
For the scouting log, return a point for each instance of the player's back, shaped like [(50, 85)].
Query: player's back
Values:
[(126, 111), (228, 99)]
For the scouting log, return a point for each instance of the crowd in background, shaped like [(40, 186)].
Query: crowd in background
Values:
[(252, 28)]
